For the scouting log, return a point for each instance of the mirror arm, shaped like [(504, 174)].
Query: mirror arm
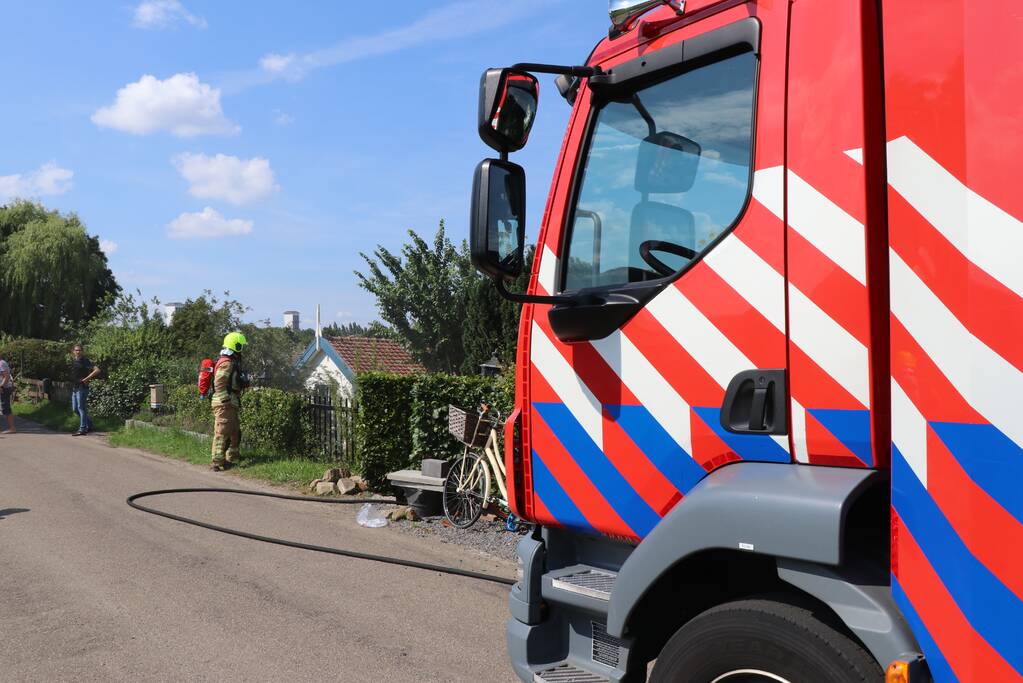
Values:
[(533, 298), (579, 71)]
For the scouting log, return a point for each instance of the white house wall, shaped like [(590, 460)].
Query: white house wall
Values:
[(321, 370)]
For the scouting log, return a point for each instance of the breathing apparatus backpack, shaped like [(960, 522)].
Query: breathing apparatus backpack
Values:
[(205, 378)]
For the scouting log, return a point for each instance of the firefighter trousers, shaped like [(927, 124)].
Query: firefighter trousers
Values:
[(227, 434)]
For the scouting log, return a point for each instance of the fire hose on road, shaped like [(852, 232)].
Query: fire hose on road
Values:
[(131, 500)]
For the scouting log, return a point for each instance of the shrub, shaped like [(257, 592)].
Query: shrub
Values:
[(401, 419), (384, 442), (273, 423), (276, 422), (190, 411), (120, 389), (428, 422), (38, 359)]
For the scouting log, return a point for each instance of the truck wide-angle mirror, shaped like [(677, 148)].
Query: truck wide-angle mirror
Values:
[(498, 221), (508, 100), (667, 163)]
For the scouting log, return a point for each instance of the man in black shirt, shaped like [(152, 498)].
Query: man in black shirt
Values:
[(82, 372)]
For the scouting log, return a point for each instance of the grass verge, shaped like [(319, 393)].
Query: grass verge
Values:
[(59, 417), (293, 472)]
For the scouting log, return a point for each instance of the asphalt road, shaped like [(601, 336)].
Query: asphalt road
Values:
[(91, 589)]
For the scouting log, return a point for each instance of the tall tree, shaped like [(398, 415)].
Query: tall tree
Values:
[(52, 272), (491, 322), (271, 355), (449, 316), (421, 295), (199, 325)]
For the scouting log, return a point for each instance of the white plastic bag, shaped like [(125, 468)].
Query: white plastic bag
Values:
[(371, 517)]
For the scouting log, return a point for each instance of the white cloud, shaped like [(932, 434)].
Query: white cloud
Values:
[(231, 179), (278, 64), (205, 224), (108, 247), (165, 14), (180, 104), (47, 180)]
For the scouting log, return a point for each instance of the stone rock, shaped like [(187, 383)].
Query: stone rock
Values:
[(332, 475), (360, 482), (397, 513), (346, 486), (325, 488), (313, 483)]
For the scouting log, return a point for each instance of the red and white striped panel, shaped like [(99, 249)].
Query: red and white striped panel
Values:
[(981, 255)]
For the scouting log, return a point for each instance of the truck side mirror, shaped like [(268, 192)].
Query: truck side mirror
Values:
[(508, 100), (497, 230)]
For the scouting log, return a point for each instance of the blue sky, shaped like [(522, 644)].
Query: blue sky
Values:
[(258, 147)]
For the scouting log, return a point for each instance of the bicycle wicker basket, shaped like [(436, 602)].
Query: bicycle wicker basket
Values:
[(468, 427)]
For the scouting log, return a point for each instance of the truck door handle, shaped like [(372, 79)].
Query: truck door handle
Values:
[(755, 403)]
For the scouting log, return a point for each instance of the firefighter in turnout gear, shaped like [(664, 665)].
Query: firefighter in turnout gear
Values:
[(228, 382)]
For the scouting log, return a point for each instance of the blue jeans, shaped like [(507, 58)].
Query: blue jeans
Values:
[(78, 399)]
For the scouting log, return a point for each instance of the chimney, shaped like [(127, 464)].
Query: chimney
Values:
[(169, 310), (291, 320)]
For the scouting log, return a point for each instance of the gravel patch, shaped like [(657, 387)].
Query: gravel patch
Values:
[(487, 537)]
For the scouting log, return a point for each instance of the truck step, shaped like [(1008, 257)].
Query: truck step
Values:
[(585, 580), (567, 673)]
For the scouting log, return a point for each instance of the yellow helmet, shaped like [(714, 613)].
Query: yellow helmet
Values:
[(235, 341)]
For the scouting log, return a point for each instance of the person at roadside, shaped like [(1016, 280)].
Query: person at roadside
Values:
[(83, 371), (6, 390), (228, 382)]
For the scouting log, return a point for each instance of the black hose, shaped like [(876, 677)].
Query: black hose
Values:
[(305, 546)]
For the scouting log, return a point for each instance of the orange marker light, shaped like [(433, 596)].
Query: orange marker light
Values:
[(898, 672)]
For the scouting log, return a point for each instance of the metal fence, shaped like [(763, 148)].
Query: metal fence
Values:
[(333, 423)]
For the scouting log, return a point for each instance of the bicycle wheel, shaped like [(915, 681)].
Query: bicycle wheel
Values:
[(466, 489)]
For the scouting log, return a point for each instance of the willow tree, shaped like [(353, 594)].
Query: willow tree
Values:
[(52, 272)]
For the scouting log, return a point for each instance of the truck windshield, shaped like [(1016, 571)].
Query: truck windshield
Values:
[(670, 163)]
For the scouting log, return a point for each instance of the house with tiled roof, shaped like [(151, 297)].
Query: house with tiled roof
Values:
[(338, 360)]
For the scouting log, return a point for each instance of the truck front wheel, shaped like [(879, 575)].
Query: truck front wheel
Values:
[(762, 641)]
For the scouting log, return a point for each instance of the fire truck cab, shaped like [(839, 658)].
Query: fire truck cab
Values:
[(769, 366)]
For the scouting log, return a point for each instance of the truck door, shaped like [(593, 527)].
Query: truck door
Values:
[(665, 217)]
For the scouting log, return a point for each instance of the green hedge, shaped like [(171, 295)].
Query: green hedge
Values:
[(273, 422), (190, 411), (383, 438), (38, 359), (428, 422), (276, 422), (402, 420)]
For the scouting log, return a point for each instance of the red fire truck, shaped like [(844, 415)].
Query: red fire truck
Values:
[(770, 367)]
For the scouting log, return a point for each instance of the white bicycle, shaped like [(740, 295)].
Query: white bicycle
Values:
[(467, 487)]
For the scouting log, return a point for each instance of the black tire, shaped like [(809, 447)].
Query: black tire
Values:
[(463, 506), (758, 635)]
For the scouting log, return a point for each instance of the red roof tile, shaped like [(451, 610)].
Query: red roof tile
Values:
[(369, 354)]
